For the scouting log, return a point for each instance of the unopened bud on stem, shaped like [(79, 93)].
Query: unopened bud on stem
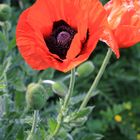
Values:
[(36, 96), (5, 12), (85, 69), (59, 88)]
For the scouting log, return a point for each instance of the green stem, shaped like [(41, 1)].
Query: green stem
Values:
[(68, 77), (97, 79), (66, 103), (5, 31), (71, 87), (35, 121)]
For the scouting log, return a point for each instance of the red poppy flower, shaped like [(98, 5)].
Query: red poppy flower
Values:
[(60, 33), (124, 19)]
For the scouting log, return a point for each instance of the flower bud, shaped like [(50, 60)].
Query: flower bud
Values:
[(85, 69), (36, 96), (59, 88), (5, 12)]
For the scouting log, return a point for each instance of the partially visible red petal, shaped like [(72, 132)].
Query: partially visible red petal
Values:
[(43, 14), (70, 11), (135, 21), (110, 40), (98, 20), (127, 35), (75, 48), (91, 44), (36, 17), (85, 53), (102, 26), (82, 17), (124, 20), (31, 44), (108, 6), (127, 17)]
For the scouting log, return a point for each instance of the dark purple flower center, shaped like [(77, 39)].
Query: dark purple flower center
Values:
[(60, 39)]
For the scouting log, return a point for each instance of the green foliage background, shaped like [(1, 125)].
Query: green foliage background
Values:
[(118, 92)]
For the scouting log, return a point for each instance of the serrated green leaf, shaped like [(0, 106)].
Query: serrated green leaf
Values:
[(84, 112), (93, 137), (52, 123), (77, 99), (78, 117)]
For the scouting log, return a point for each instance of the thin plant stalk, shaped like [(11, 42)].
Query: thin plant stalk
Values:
[(66, 103), (34, 125), (97, 79)]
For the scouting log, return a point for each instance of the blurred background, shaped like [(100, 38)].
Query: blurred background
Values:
[(117, 104)]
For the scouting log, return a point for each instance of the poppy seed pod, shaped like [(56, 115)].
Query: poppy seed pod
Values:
[(36, 96), (85, 69), (59, 88), (5, 12)]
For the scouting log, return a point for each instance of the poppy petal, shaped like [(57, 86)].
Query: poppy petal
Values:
[(75, 47), (110, 40), (99, 19), (36, 17), (131, 36), (30, 42), (127, 17), (85, 52), (124, 20), (103, 25)]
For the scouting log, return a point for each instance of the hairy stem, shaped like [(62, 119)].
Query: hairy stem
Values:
[(35, 121), (97, 79), (66, 103)]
